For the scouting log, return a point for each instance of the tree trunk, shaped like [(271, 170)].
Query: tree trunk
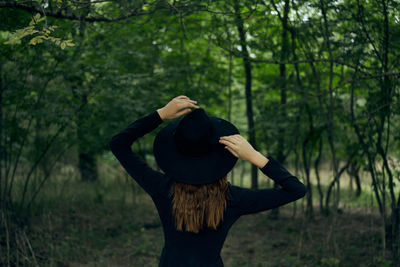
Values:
[(1, 143), (230, 100), (330, 112), (249, 104), (87, 159), (282, 70)]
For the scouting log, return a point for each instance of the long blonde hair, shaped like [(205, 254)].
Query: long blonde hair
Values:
[(196, 205)]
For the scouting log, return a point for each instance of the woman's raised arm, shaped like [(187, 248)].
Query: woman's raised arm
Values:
[(256, 200)]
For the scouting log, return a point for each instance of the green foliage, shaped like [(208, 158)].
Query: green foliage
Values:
[(330, 262), (37, 34), (59, 104), (382, 262)]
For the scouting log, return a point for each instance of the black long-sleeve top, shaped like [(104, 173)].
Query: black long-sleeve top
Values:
[(202, 249)]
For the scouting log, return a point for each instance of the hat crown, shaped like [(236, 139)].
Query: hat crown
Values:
[(194, 134), (179, 145)]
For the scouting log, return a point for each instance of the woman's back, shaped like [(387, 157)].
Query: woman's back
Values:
[(183, 248), (203, 248)]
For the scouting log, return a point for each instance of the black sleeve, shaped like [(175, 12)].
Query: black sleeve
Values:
[(256, 200), (150, 180)]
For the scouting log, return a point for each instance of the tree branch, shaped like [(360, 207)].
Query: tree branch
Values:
[(274, 61), (59, 14)]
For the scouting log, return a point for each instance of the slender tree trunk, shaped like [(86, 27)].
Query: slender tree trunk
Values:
[(306, 150), (282, 72), (307, 163), (249, 103), (87, 159), (386, 93), (317, 79), (1, 143), (354, 174), (230, 100), (330, 110), (316, 169)]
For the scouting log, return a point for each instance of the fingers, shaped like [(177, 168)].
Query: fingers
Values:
[(183, 97), (236, 137), (227, 141), (231, 138), (186, 103), (232, 151)]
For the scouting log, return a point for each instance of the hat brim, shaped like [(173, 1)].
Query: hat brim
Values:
[(194, 170)]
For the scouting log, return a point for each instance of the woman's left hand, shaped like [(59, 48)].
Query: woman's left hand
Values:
[(174, 107)]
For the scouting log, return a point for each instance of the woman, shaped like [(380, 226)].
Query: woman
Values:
[(196, 204)]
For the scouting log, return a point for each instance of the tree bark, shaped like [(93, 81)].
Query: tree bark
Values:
[(282, 70), (249, 103)]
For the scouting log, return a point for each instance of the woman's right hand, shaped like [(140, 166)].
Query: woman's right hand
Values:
[(238, 146)]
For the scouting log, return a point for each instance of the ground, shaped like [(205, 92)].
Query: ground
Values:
[(109, 233), (113, 223)]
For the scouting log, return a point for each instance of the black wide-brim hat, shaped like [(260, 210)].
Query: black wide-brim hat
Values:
[(189, 151)]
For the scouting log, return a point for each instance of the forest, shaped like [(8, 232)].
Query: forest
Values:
[(314, 83)]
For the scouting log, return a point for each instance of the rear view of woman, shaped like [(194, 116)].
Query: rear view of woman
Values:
[(196, 204)]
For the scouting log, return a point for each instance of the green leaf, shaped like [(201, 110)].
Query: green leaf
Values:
[(34, 40), (37, 16)]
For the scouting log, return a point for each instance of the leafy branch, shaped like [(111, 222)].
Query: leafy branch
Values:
[(38, 34)]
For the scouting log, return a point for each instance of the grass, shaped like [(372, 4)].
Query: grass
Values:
[(106, 233), (113, 223)]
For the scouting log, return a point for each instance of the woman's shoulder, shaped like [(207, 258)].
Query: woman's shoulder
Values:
[(164, 186), (235, 193)]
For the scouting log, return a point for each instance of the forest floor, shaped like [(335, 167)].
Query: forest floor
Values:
[(113, 223), (112, 232)]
